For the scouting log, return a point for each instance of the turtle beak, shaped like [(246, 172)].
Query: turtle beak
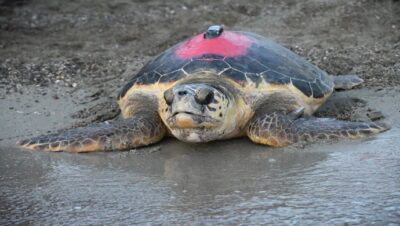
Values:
[(186, 120)]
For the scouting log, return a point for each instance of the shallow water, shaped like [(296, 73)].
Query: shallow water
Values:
[(225, 182)]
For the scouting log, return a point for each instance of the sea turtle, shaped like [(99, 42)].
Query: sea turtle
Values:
[(218, 85)]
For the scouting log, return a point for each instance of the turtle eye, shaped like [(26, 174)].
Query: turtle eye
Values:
[(169, 96), (204, 96)]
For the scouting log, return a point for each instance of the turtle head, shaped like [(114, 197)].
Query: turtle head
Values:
[(198, 112)]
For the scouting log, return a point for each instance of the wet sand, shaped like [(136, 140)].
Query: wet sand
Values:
[(56, 74), (228, 182)]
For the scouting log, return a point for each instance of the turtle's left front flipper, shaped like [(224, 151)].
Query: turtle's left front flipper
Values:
[(280, 130), (116, 135)]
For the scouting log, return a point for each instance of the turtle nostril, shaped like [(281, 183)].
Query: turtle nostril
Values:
[(182, 93), (169, 96), (204, 96)]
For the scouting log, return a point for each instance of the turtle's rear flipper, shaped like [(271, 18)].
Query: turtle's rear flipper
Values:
[(106, 136), (281, 130), (346, 81)]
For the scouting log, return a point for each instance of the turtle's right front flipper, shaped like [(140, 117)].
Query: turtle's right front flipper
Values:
[(115, 135), (280, 130)]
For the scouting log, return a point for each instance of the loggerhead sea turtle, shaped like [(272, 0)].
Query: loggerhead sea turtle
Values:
[(218, 85)]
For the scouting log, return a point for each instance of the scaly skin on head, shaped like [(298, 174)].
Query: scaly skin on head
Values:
[(203, 108)]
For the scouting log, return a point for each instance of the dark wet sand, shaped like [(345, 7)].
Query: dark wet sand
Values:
[(60, 67), (229, 182)]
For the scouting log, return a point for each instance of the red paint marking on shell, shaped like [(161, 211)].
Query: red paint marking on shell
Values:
[(229, 44)]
